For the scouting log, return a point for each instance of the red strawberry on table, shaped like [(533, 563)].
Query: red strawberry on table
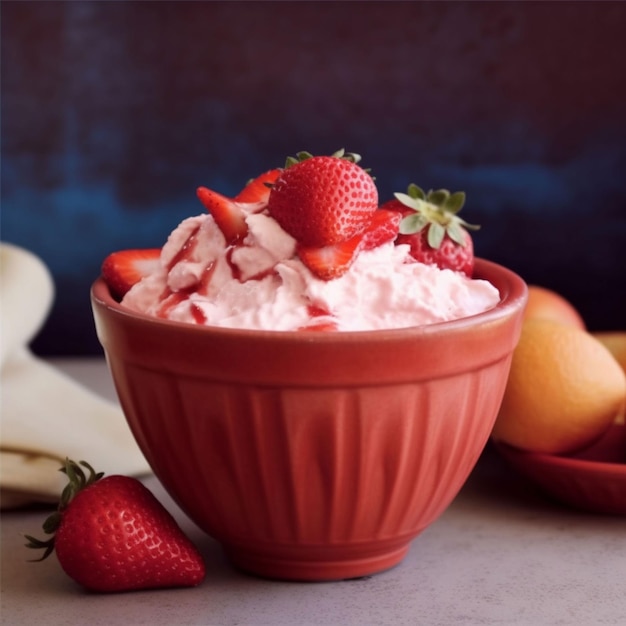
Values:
[(122, 269), (432, 228), (111, 534), (323, 200)]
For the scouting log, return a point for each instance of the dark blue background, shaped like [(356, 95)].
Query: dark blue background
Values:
[(114, 112)]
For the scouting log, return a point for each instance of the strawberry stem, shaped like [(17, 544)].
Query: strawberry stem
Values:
[(303, 155), (77, 481), (435, 211)]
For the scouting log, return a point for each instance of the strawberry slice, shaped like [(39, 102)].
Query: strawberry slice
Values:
[(257, 190), (321, 320), (227, 214), (328, 262), (320, 326), (122, 269), (382, 228)]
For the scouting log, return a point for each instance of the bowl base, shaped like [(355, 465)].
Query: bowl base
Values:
[(315, 569)]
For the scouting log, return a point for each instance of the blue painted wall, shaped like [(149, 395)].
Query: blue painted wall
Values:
[(114, 112)]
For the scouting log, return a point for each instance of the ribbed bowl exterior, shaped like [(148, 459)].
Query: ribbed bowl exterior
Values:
[(312, 456)]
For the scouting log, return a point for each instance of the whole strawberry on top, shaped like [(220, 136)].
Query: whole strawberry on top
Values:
[(432, 228), (323, 200), (111, 534)]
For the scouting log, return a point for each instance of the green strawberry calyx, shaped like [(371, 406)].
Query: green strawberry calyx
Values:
[(303, 155), (437, 211), (77, 481), (353, 157)]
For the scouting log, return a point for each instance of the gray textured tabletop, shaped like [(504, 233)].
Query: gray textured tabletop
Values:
[(501, 554)]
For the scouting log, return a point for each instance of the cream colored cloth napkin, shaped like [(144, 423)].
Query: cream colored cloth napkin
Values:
[(45, 415)]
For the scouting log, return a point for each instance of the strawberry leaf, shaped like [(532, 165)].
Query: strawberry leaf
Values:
[(51, 523), (303, 155), (77, 481), (412, 224), (415, 191), (436, 233), (466, 224), (438, 197), (456, 233), (412, 203), (38, 544), (454, 203), (348, 156)]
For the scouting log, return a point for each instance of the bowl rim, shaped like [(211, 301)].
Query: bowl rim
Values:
[(512, 299)]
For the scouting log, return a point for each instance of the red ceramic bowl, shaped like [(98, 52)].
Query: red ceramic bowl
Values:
[(311, 455), (593, 479)]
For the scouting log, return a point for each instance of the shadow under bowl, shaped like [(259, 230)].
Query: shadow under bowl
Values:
[(311, 455)]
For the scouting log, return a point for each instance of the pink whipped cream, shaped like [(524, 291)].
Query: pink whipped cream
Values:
[(261, 284)]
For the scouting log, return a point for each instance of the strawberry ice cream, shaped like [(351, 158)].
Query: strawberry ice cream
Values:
[(237, 266), (264, 285)]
